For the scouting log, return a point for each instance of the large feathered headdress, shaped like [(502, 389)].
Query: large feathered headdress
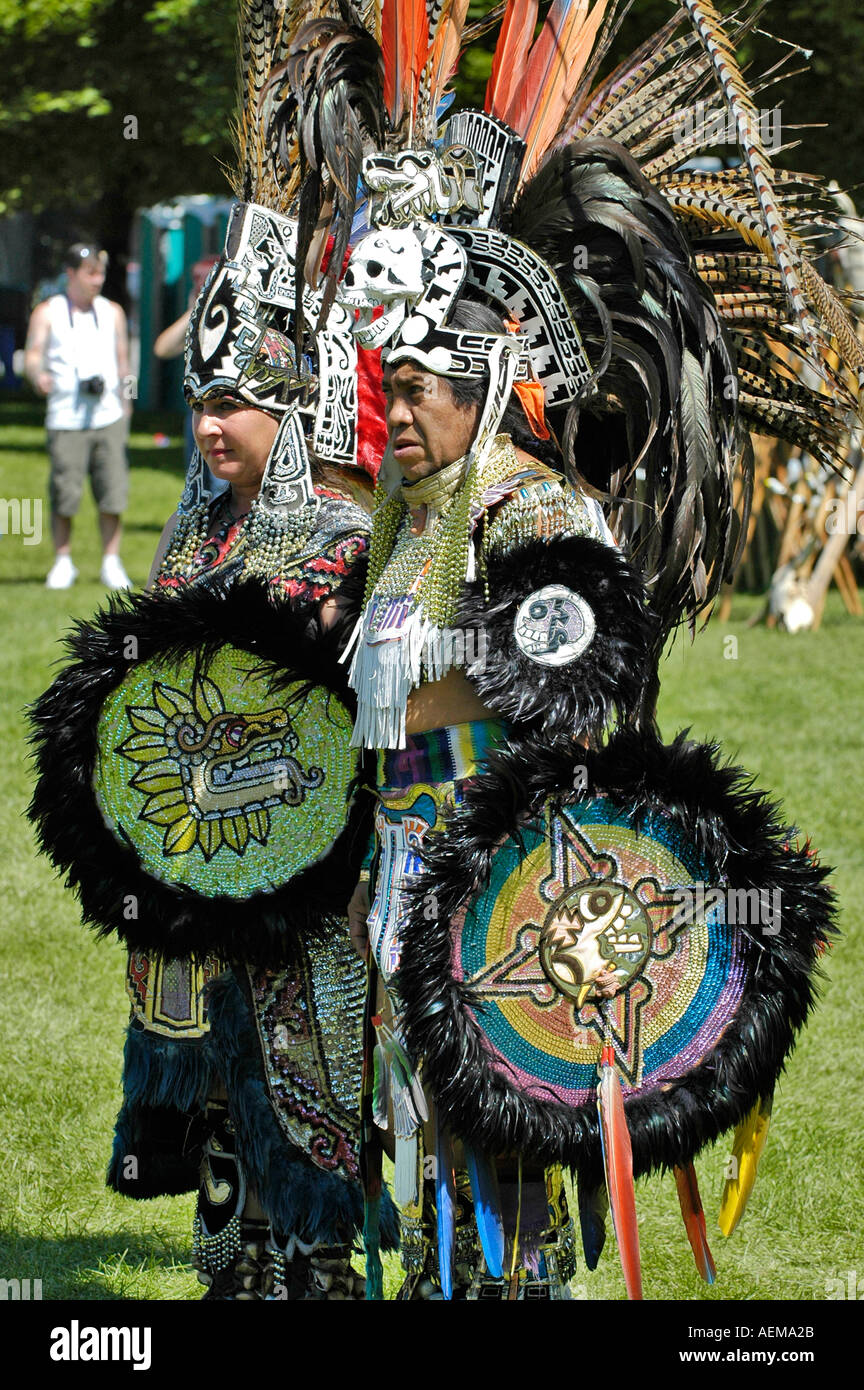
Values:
[(249, 335), (665, 311)]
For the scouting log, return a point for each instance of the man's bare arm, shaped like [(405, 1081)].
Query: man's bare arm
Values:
[(122, 341), (38, 332), (172, 339)]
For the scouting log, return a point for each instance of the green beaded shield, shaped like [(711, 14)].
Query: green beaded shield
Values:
[(218, 782)]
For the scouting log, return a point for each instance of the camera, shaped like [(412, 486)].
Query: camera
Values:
[(92, 386)]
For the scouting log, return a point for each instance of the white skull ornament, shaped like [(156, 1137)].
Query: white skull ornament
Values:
[(385, 269)]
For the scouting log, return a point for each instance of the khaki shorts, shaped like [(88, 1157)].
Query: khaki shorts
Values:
[(102, 454)]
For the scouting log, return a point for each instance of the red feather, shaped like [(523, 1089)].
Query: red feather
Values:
[(391, 53), (618, 1164), (694, 1221), (404, 47), (511, 51), (371, 422), (415, 47), (556, 63)]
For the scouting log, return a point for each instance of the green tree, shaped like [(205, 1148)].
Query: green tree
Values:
[(108, 105)]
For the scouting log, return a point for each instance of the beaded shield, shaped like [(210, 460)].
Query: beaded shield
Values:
[(644, 896), (195, 777), (585, 903), (219, 783)]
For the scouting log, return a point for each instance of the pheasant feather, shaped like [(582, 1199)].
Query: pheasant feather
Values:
[(708, 25), (628, 77)]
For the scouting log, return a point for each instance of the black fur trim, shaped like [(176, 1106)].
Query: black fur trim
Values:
[(166, 1082), (173, 920), (166, 1145), (740, 835), (581, 697)]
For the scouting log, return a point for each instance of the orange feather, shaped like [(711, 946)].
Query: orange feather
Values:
[(694, 1221), (404, 47), (618, 1165), (554, 68), (415, 47), (391, 53), (511, 50), (444, 53)]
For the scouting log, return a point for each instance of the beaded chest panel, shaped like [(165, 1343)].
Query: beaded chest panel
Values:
[(586, 914), (218, 782)]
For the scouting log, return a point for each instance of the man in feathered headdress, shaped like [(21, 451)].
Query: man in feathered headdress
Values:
[(566, 312)]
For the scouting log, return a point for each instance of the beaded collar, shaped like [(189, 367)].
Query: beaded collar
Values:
[(412, 592), (262, 544), (436, 490)]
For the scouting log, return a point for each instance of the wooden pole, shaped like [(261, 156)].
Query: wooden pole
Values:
[(833, 550)]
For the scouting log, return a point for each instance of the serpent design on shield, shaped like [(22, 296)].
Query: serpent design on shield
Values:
[(211, 775)]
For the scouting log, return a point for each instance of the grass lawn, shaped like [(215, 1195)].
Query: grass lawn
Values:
[(788, 708)]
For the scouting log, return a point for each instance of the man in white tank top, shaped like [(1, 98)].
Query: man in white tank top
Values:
[(77, 357)]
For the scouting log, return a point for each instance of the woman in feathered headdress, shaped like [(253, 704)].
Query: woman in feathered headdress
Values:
[(202, 735)]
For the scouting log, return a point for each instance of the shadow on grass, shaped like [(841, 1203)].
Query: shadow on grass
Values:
[(27, 448), (37, 581), (106, 1268)]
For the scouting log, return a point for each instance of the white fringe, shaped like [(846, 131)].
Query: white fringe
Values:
[(406, 1190), (384, 672)]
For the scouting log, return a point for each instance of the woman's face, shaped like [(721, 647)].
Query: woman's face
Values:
[(235, 439)]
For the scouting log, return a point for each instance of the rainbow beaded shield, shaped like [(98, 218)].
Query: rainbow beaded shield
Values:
[(220, 783), (586, 925), (642, 894)]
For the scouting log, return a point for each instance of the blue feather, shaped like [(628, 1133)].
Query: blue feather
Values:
[(372, 1247), (445, 1202), (487, 1209)]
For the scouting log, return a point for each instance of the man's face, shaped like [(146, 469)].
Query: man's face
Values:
[(427, 428), (85, 281)]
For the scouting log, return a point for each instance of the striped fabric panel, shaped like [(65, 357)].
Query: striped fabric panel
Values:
[(450, 754)]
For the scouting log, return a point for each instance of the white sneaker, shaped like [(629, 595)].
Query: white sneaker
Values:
[(62, 574), (113, 575)]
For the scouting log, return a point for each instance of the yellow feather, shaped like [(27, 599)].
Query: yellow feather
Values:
[(747, 1148), (210, 837), (235, 832)]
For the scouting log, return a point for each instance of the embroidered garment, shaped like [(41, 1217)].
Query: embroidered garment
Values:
[(413, 786), (333, 546), (415, 581)]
